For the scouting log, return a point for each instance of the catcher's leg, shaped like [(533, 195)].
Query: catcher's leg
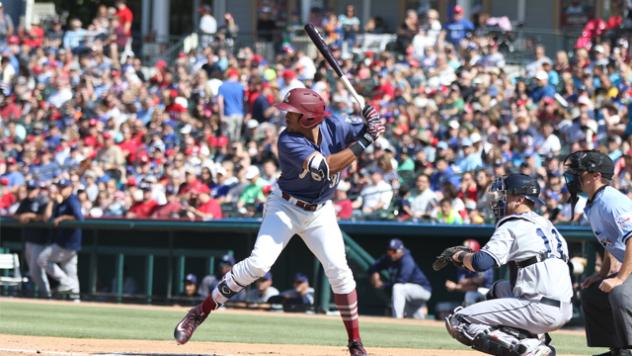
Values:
[(276, 231)]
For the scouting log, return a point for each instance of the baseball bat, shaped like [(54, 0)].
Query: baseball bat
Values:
[(322, 47)]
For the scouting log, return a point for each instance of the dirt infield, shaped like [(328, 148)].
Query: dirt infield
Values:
[(25, 345)]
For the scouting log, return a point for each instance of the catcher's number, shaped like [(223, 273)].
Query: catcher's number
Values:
[(446, 257)]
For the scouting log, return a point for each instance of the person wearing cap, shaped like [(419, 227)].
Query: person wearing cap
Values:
[(299, 298), (144, 204), (263, 290), (471, 159), (206, 208), (224, 265), (605, 295), (230, 102), (60, 259), (459, 27), (543, 88), (410, 289), (32, 209), (474, 284), (13, 175), (252, 193), (537, 298), (170, 208), (190, 287)]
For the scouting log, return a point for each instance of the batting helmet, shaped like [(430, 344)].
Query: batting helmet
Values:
[(307, 103)]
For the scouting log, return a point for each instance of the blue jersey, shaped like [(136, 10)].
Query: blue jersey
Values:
[(610, 216), (336, 134), (404, 270)]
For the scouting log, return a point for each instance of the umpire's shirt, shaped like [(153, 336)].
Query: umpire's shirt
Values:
[(404, 270), (36, 206), (69, 239), (610, 216)]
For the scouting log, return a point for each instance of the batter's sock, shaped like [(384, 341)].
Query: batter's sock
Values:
[(348, 306), (208, 304)]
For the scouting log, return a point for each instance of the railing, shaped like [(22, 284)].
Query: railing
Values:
[(179, 240)]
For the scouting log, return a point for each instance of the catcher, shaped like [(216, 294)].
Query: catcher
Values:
[(517, 314)]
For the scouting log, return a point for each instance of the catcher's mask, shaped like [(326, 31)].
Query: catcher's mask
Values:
[(514, 184)]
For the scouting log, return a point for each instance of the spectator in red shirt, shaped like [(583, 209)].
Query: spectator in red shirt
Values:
[(206, 208), (171, 207), (343, 204), (7, 198), (125, 15), (143, 207)]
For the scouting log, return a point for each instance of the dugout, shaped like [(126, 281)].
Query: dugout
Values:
[(158, 254)]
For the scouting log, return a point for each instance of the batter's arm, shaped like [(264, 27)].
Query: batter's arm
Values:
[(339, 161)]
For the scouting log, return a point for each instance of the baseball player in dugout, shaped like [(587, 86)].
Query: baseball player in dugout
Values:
[(518, 314), (313, 150), (607, 295)]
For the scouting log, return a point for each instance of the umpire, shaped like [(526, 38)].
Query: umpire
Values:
[(410, 287), (606, 298)]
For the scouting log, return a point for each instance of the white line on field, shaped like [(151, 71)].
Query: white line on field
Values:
[(41, 352)]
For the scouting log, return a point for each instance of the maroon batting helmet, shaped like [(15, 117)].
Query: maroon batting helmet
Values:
[(307, 103)]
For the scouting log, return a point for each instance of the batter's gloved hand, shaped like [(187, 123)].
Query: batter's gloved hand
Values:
[(446, 257), (375, 125)]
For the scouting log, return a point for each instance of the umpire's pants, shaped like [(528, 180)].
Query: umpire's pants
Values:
[(608, 315)]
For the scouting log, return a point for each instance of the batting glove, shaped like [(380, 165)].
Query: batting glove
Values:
[(375, 125)]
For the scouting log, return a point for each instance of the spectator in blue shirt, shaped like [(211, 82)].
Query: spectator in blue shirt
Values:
[(231, 104), (14, 176), (543, 88), (459, 27), (410, 287), (74, 38), (60, 259)]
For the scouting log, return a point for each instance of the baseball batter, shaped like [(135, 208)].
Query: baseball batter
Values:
[(518, 313), (313, 150)]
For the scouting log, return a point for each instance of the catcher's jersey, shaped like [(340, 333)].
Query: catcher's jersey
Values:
[(520, 237)]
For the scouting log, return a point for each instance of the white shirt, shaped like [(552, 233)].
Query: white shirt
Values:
[(375, 194), (550, 145), (424, 202), (208, 24)]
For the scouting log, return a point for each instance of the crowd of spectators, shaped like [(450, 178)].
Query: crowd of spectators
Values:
[(195, 138)]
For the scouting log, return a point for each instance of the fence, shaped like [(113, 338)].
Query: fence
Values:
[(159, 253)]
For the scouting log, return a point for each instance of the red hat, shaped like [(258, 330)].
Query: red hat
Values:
[(4, 181), (161, 63), (107, 135), (458, 9), (11, 160), (289, 74), (131, 181), (14, 40), (232, 72)]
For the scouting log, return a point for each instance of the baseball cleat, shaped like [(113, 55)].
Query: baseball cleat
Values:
[(185, 328), (356, 348)]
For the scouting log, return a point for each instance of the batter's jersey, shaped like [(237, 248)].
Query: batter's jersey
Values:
[(336, 134), (520, 237), (610, 216)]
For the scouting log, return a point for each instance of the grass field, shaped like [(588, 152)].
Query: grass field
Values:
[(93, 321)]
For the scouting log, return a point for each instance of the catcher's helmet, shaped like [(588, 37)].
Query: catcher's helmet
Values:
[(307, 103), (513, 184)]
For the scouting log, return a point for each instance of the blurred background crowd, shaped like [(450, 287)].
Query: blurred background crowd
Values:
[(195, 138)]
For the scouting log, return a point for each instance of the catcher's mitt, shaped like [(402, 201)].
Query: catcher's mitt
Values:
[(446, 257)]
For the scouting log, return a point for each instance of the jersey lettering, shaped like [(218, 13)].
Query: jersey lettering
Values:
[(549, 241)]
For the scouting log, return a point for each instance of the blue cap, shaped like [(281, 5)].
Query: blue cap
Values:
[(227, 260), (63, 183), (300, 278), (190, 278), (31, 184), (466, 142), (395, 244), (442, 145), (267, 276)]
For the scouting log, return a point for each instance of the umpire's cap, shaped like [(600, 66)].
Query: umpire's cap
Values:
[(589, 161), (522, 184), (395, 244)]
